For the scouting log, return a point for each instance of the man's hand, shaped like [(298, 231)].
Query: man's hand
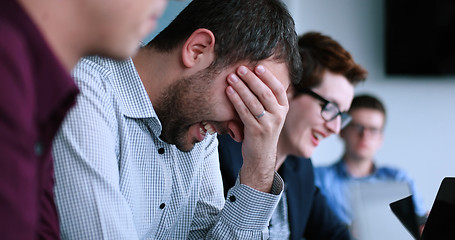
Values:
[(261, 103)]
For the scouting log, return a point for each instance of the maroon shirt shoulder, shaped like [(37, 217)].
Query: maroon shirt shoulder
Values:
[(35, 94)]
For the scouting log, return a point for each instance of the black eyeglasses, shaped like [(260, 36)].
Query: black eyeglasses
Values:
[(329, 109), (361, 129)]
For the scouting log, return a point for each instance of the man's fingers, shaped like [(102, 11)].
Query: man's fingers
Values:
[(250, 106)]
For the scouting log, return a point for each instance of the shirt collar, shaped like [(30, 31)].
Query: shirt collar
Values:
[(131, 92), (342, 169)]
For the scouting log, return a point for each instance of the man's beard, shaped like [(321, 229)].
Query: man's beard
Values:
[(184, 103)]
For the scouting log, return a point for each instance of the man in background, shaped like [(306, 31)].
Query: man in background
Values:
[(362, 139), (40, 43)]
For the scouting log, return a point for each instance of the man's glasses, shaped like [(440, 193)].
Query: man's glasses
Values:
[(329, 109), (361, 129)]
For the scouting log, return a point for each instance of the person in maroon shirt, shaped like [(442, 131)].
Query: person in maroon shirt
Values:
[(40, 43)]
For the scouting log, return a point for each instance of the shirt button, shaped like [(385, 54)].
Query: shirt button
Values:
[(162, 205), (38, 148), (232, 198), (161, 150)]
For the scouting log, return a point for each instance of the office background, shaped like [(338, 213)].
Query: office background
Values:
[(420, 128)]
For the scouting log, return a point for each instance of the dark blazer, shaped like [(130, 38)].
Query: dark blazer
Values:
[(309, 215)]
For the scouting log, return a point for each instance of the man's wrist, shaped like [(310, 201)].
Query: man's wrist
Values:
[(258, 179)]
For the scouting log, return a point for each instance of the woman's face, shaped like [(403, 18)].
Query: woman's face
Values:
[(304, 127)]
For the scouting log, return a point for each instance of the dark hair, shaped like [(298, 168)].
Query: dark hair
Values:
[(250, 30), (319, 53), (367, 101)]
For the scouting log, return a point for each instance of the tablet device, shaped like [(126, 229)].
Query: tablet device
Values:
[(404, 211), (441, 220), (372, 217)]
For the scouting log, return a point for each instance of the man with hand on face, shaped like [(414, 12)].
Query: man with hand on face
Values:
[(317, 109), (41, 41), (137, 157)]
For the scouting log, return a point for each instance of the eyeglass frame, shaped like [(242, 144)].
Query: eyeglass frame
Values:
[(345, 116), (361, 129)]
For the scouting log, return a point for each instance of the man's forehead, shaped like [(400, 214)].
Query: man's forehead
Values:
[(367, 115), (366, 111)]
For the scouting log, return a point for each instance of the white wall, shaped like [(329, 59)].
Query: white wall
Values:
[(420, 130), (173, 8)]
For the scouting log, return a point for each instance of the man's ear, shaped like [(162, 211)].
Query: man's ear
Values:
[(199, 48)]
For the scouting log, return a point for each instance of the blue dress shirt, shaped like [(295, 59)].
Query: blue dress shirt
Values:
[(334, 182)]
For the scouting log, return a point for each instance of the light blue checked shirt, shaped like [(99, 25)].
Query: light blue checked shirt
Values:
[(115, 178)]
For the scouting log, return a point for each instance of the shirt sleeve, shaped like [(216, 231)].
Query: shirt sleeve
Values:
[(18, 161), (88, 196), (245, 212), (248, 211)]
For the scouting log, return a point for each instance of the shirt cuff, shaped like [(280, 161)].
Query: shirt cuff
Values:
[(248, 208)]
